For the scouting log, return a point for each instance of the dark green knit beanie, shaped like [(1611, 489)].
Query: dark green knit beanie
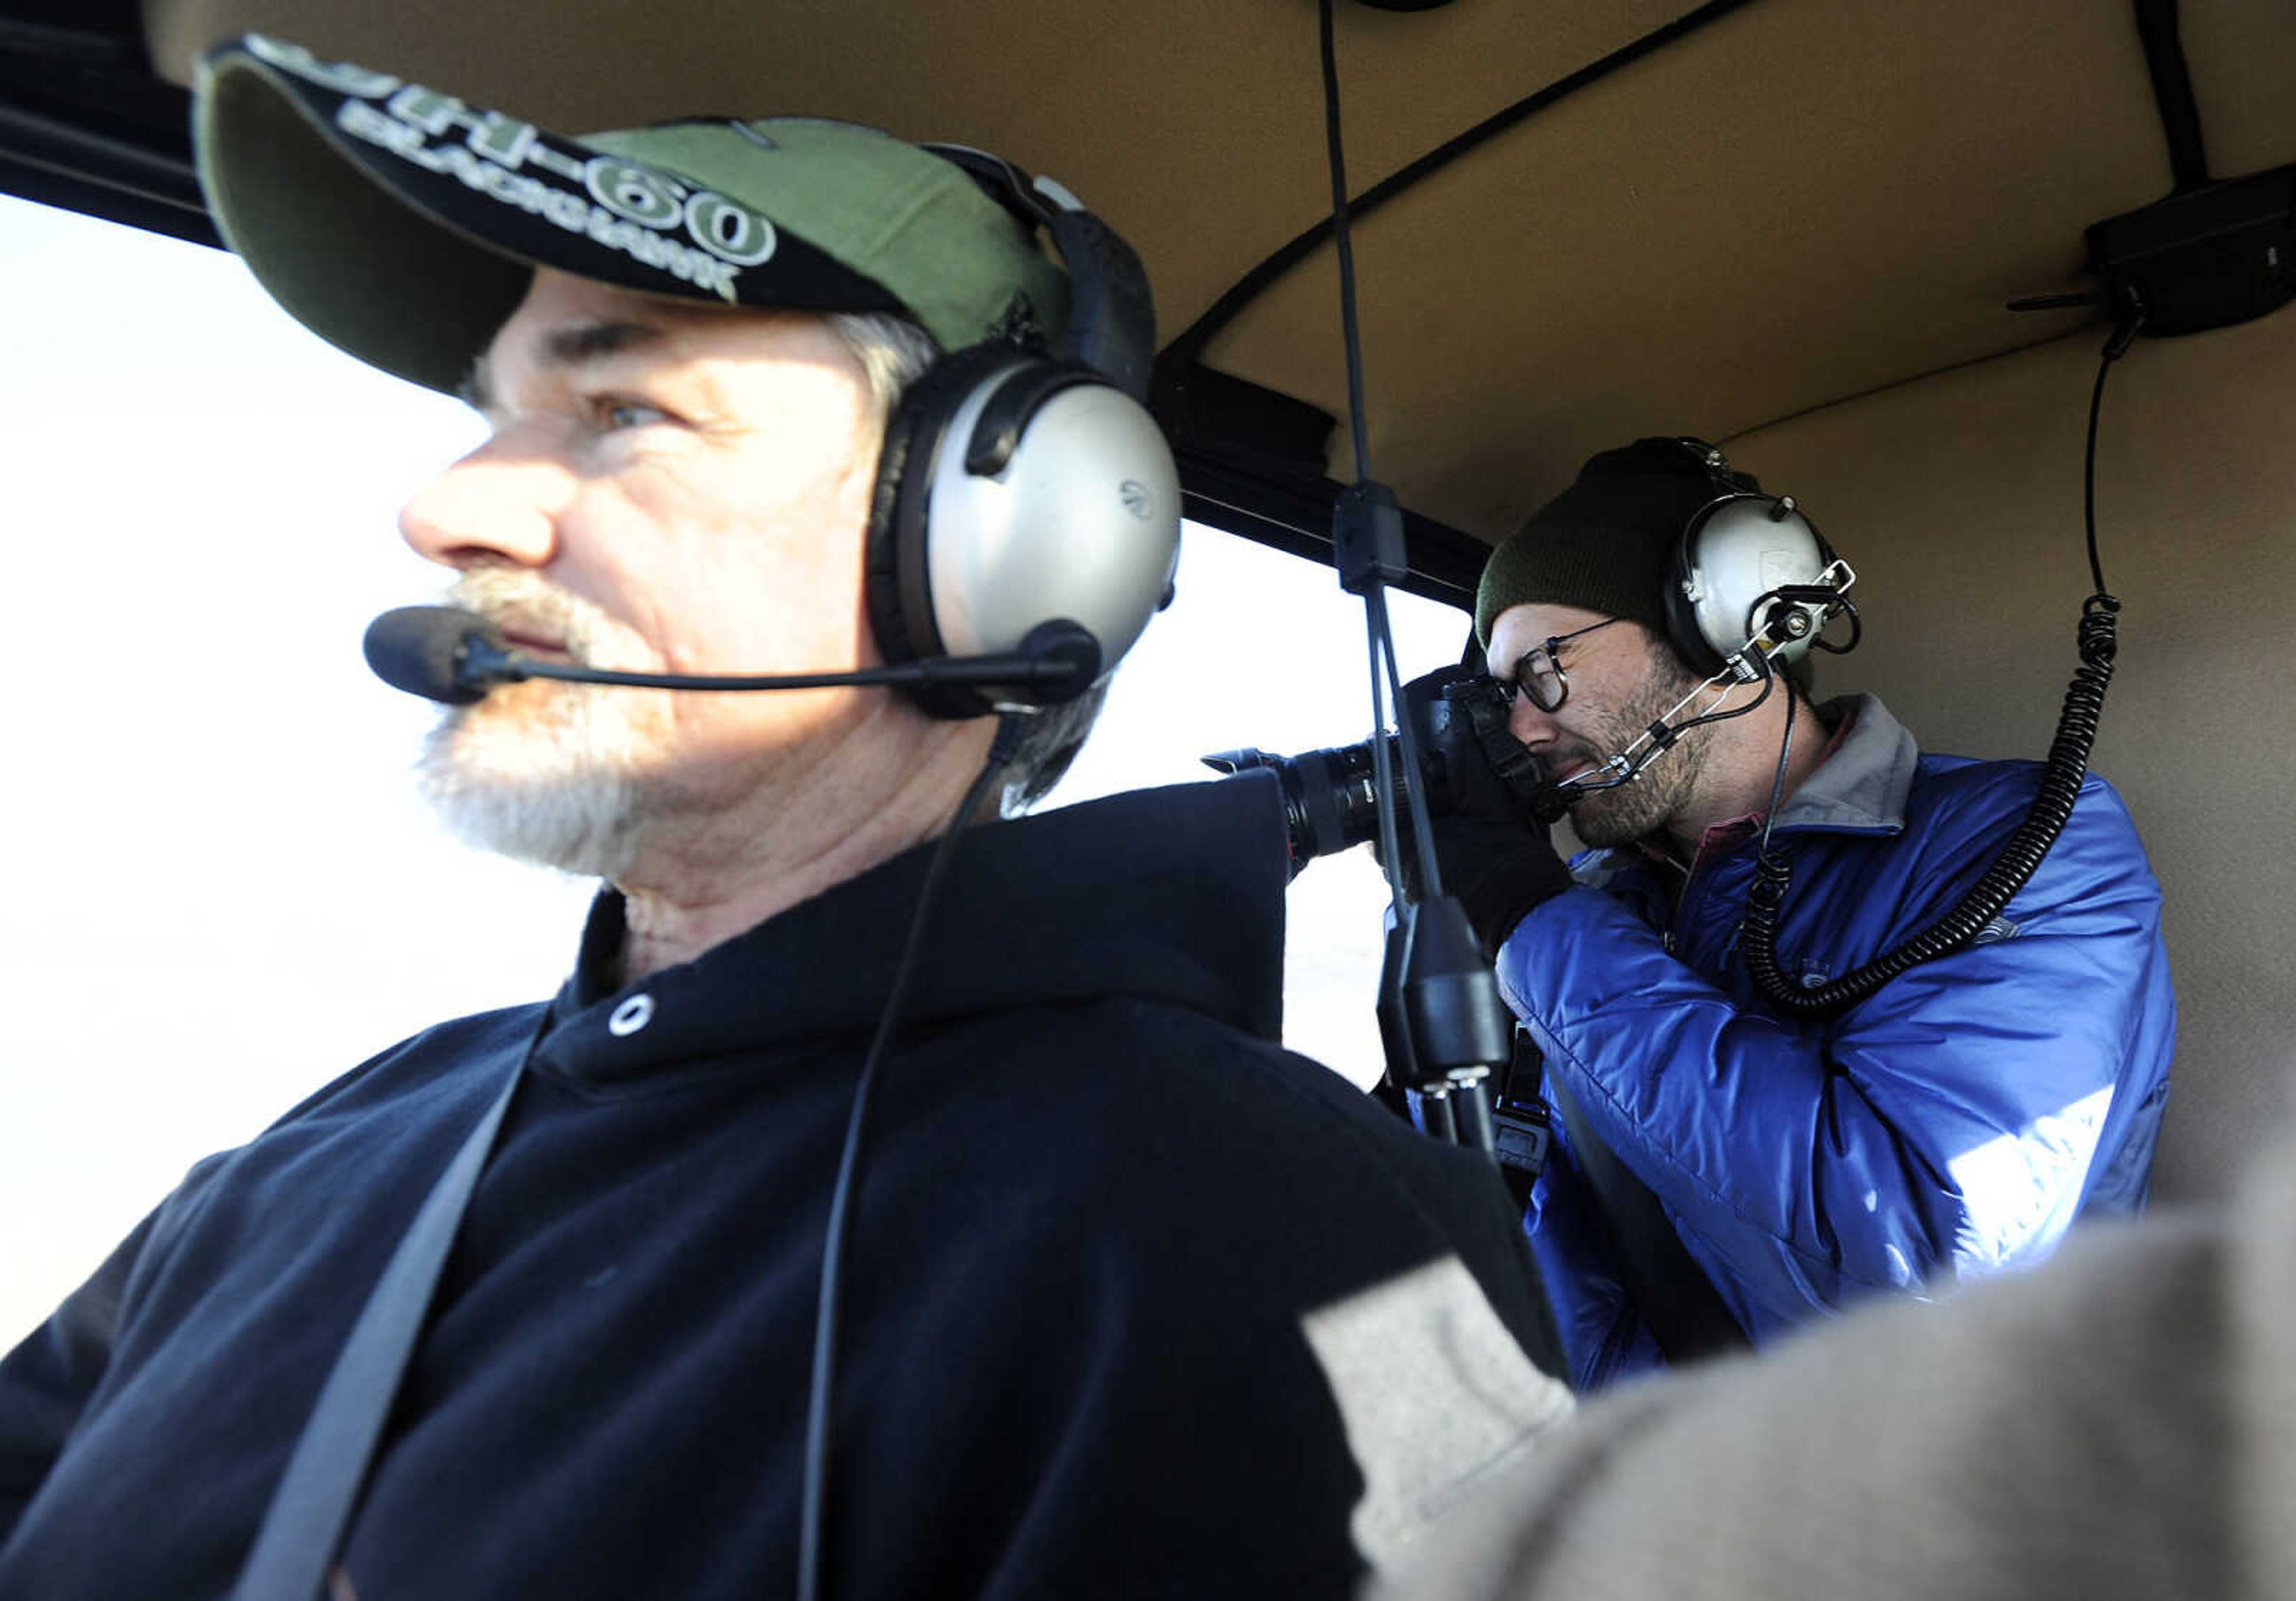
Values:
[(1606, 542)]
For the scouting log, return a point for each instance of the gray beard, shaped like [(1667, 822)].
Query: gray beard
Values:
[(572, 811), (544, 772)]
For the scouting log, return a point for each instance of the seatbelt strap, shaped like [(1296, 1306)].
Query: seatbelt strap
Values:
[(1676, 1300), (312, 1505)]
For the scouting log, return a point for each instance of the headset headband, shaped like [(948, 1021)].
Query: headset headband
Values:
[(1111, 314)]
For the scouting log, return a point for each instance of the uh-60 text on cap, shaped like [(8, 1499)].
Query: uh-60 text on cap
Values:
[(402, 224)]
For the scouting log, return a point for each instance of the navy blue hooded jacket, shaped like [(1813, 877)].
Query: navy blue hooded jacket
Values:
[(1137, 1303)]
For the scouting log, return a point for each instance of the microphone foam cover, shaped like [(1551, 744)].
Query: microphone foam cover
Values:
[(420, 649)]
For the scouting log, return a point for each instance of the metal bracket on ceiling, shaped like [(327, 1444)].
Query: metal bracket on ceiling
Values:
[(2210, 253)]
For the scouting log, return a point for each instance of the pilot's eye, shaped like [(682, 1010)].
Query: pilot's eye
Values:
[(614, 414)]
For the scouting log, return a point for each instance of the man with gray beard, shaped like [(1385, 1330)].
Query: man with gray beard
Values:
[(1725, 1166), (552, 1300)]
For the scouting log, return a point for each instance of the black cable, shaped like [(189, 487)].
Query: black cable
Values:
[(814, 1513), (1343, 240), (2172, 93), (1770, 682), (2062, 776), (1407, 732), (1439, 1009), (1786, 759), (1382, 773), (1376, 620), (1190, 343), (2089, 471)]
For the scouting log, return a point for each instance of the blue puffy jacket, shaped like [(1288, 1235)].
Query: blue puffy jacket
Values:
[(1954, 1124)]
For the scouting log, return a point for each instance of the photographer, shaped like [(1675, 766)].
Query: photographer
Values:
[(1953, 1124)]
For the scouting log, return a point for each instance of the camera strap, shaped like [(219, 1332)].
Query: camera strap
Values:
[(1508, 757)]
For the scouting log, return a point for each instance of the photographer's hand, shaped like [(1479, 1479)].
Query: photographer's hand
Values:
[(1500, 868), (1493, 855)]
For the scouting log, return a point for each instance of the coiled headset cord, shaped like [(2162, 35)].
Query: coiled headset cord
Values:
[(819, 1407), (2052, 808)]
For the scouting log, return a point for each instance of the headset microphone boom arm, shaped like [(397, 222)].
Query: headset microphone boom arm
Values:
[(1796, 612), (444, 653)]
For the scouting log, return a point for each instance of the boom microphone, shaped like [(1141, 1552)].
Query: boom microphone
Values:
[(446, 654), (424, 650)]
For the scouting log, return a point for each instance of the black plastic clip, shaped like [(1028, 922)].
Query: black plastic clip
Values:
[(1521, 1136), (1367, 538)]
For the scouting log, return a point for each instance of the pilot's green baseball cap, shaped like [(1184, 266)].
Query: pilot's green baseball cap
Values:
[(403, 225)]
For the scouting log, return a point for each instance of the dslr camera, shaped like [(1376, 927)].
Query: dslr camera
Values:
[(1459, 716)]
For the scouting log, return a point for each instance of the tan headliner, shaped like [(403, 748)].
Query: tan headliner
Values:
[(1804, 201)]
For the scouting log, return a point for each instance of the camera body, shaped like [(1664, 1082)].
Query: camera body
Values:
[(1331, 799)]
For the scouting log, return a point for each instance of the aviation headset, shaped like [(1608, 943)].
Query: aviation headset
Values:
[(1741, 549), (1016, 489)]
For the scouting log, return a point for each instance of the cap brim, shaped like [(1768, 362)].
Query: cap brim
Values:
[(404, 227)]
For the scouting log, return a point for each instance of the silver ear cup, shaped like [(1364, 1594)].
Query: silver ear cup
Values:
[(1740, 548), (1082, 523)]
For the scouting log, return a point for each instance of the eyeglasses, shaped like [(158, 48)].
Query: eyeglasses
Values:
[(1539, 675)]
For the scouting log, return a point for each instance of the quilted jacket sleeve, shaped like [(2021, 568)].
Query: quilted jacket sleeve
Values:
[(1946, 1125)]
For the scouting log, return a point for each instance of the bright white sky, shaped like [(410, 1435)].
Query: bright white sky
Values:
[(226, 893)]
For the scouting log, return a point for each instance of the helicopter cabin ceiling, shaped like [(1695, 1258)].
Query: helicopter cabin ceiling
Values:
[(1680, 220)]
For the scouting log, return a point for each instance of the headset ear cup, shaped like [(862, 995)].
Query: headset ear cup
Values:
[(1059, 501), (1734, 551), (899, 581), (1682, 630), (881, 575)]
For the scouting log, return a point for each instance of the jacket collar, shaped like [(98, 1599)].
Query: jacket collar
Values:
[(1169, 895), (1863, 786)]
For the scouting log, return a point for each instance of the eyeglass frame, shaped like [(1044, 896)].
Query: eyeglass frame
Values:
[(1515, 682)]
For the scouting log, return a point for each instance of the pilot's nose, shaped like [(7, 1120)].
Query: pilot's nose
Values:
[(492, 505)]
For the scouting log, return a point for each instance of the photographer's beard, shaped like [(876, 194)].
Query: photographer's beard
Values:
[(1642, 806), (540, 771)]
